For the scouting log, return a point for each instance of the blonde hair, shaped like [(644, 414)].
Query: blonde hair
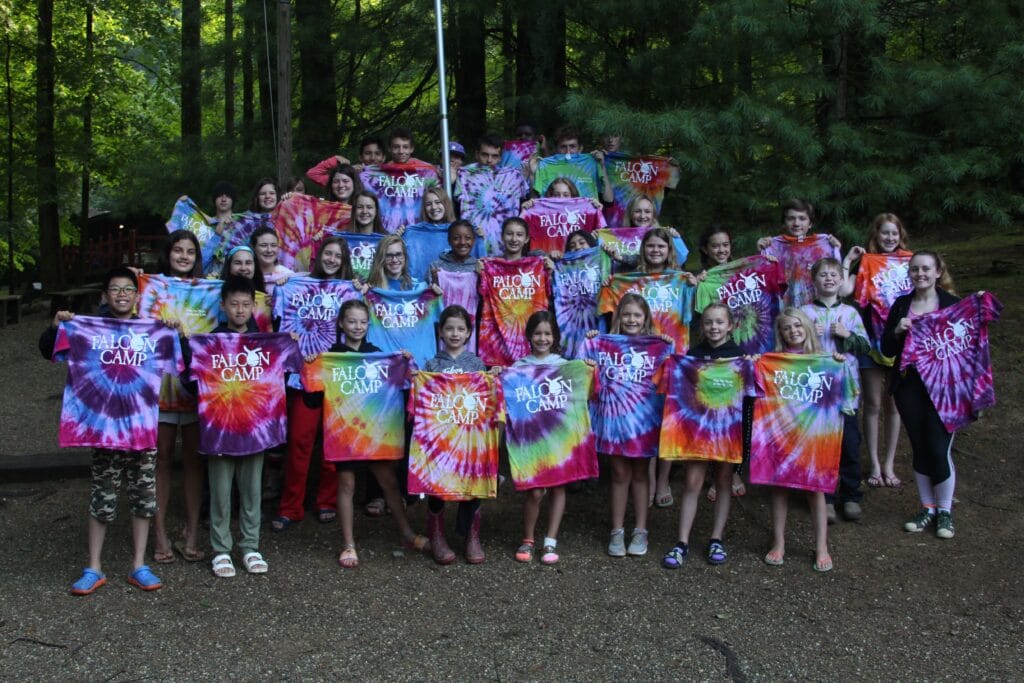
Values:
[(811, 343), (636, 200), (945, 280), (637, 300), (449, 212), (377, 276)]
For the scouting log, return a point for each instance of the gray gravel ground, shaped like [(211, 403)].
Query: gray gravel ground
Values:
[(897, 606)]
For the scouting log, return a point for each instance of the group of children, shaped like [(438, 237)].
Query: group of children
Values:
[(771, 384)]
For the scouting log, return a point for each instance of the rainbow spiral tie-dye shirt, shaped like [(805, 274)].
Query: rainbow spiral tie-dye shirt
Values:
[(797, 255), (193, 304), (703, 417), (364, 403), (111, 399), (511, 291), (668, 294), (455, 435), (550, 442), (241, 380), (399, 189), (798, 428), (626, 242), (302, 222), (550, 220), (187, 216), (405, 320), (752, 288), (628, 412), (949, 349), (631, 176), (487, 196), (582, 169), (577, 285)]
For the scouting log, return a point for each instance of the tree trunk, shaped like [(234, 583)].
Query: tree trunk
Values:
[(83, 233), (191, 88), (508, 60), (346, 128), (9, 163), (229, 71), (318, 106), (540, 62), (248, 55), (50, 270), (470, 70), (284, 92)]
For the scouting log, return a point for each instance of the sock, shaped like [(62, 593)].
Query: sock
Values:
[(924, 490), (550, 542), (944, 490)]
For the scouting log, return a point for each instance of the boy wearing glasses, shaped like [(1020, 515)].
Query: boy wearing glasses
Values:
[(110, 465)]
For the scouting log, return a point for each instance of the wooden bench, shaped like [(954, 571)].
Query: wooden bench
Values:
[(10, 301), (77, 300)]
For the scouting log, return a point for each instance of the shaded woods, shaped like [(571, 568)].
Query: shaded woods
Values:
[(901, 105)]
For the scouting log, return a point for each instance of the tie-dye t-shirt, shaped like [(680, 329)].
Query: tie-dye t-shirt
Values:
[(460, 289), (703, 418), (242, 228), (114, 372), (364, 403), (456, 428), (631, 176), (627, 414), (797, 428), (241, 390), (550, 220), (851, 320), (425, 242), (361, 249), (187, 216), (752, 288), (881, 279), (511, 291), (517, 153), (487, 196), (949, 349), (582, 169), (302, 222), (577, 285), (399, 189), (309, 306), (550, 442), (626, 241), (195, 305), (405, 320), (668, 294), (797, 255)]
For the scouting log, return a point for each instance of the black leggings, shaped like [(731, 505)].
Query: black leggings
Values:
[(929, 439)]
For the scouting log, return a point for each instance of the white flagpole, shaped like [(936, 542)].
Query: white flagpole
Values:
[(445, 153)]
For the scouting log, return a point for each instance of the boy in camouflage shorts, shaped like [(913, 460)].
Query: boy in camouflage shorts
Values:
[(110, 467)]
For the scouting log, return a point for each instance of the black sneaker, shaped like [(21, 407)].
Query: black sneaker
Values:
[(921, 521)]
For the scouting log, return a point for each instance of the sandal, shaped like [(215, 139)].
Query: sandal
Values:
[(676, 557), (550, 555), (348, 558), (823, 565), (254, 563), (739, 490), (892, 482), (418, 543), (144, 579), (712, 494), (223, 567), (90, 581), (716, 553), (376, 507), (664, 500), (326, 515), (281, 523), (188, 554), (876, 481), (525, 551), (164, 556), (775, 559)]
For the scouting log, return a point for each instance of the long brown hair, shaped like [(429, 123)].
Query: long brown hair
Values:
[(345, 272)]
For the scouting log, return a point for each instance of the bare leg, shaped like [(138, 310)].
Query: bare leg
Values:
[(723, 476), (695, 472), (166, 435), (97, 533), (622, 474), (140, 535), (652, 481), (384, 472), (873, 382), (780, 507), (556, 511), (892, 435), (663, 487), (346, 492), (640, 491), (193, 465), (531, 511), (820, 523)]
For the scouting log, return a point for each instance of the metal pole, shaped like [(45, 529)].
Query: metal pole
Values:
[(445, 154)]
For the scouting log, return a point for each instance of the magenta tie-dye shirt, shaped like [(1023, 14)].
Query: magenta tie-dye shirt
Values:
[(399, 189), (550, 220)]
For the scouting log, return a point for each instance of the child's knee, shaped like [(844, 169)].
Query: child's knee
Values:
[(346, 483)]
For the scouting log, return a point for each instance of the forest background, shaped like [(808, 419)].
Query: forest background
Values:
[(911, 106)]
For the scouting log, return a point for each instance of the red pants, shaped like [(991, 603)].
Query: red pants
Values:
[(303, 425)]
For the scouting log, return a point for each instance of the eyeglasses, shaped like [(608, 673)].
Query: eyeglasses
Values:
[(121, 290), (394, 257)]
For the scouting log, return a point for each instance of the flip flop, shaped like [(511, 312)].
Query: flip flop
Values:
[(893, 482), (348, 558), (739, 490), (188, 554), (664, 500), (876, 481), (166, 557), (775, 559), (712, 494), (823, 565)]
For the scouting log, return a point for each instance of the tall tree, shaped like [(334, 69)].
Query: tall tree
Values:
[(86, 148), (191, 87), (540, 60), (50, 268), (248, 55), (470, 69), (229, 70), (317, 132)]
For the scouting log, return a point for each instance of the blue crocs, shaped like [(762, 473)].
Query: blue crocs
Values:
[(90, 581), (143, 579)]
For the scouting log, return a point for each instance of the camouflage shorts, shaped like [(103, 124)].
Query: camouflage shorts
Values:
[(108, 469)]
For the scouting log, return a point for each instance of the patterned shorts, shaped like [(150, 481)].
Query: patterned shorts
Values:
[(109, 467)]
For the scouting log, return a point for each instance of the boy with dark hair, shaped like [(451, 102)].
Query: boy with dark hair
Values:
[(401, 148), (569, 161)]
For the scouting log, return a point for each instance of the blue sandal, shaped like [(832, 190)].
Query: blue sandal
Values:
[(90, 581), (676, 557), (143, 579), (716, 553), (281, 523)]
